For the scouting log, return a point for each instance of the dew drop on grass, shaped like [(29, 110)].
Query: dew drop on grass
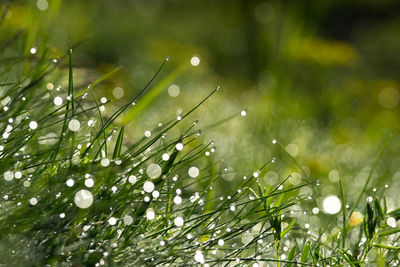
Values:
[(89, 182), (391, 222), (50, 86), (112, 221), (70, 182), (155, 194), (315, 210), (165, 157), (150, 214), (274, 141), (331, 204), (132, 179), (178, 221), (193, 172), (8, 175), (33, 49), (33, 201), (198, 257), (177, 200), (148, 187), (153, 171), (33, 125), (83, 199), (195, 61), (18, 175), (62, 215), (243, 113), (179, 146), (58, 101), (128, 220), (147, 133), (74, 125), (105, 162), (221, 242)]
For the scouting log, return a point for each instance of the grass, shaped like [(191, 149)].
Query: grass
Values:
[(141, 206)]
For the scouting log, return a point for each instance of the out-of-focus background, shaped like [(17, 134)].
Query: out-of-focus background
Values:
[(320, 77)]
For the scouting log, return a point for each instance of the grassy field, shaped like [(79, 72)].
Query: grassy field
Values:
[(254, 133)]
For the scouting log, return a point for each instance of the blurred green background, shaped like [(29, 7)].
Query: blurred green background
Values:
[(321, 77)]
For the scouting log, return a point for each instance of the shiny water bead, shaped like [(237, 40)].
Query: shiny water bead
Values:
[(198, 257), (243, 113), (33, 125), (8, 175), (70, 182), (132, 179), (148, 187), (165, 157), (331, 204), (74, 125), (179, 221), (83, 199), (105, 162), (58, 101), (112, 221), (177, 200), (33, 201), (154, 171), (193, 172), (179, 146), (89, 182), (150, 214), (128, 220), (195, 61)]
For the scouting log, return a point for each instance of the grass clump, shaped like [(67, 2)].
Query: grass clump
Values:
[(77, 191)]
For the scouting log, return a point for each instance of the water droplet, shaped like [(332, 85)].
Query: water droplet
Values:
[(112, 221), (165, 157), (8, 175), (132, 179), (58, 101), (74, 125), (177, 200), (89, 182), (83, 199), (243, 113), (331, 204), (274, 141), (33, 49), (33, 125), (105, 162), (178, 221), (33, 201), (154, 171), (179, 146), (150, 214), (148, 187), (198, 257), (147, 133), (195, 61), (70, 182), (193, 172), (128, 220)]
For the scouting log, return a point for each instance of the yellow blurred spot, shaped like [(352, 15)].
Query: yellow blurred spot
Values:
[(356, 218), (325, 52)]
